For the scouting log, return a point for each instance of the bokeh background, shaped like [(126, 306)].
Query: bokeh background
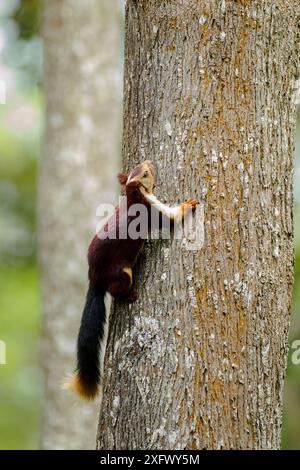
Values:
[(21, 126)]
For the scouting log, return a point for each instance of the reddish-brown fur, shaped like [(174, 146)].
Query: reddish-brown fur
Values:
[(108, 257), (123, 178), (111, 255)]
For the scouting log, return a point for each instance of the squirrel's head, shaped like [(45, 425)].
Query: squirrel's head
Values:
[(141, 176)]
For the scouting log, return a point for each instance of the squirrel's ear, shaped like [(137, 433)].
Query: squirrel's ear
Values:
[(122, 178)]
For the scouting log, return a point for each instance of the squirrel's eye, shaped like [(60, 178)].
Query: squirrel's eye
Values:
[(145, 174)]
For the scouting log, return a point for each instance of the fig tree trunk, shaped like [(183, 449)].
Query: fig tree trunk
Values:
[(198, 362)]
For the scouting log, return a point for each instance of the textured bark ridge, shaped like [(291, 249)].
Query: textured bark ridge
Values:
[(198, 361), (78, 167)]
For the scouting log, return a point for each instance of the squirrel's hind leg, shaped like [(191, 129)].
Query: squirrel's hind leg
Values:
[(121, 285)]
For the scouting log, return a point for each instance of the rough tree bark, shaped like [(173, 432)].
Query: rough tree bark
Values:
[(199, 360), (78, 167)]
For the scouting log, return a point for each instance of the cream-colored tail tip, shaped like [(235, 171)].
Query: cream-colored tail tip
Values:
[(74, 383)]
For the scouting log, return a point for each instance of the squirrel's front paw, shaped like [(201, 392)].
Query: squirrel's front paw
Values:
[(189, 204)]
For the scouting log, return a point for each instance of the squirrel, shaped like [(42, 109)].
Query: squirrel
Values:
[(111, 261)]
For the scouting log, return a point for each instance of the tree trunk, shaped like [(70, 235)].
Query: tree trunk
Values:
[(78, 167), (198, 361)]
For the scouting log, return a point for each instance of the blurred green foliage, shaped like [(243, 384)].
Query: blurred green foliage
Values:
[(20, 381), (28, 17), (20, 123)]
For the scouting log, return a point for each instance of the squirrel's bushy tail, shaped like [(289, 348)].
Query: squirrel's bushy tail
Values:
[(87, 377)]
